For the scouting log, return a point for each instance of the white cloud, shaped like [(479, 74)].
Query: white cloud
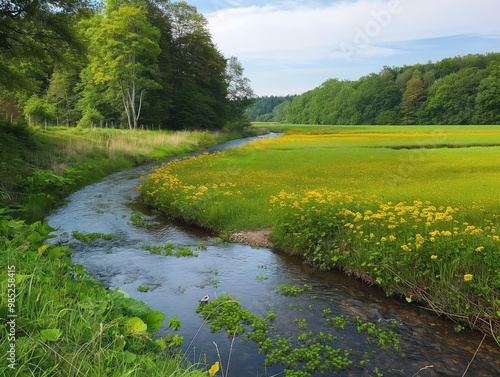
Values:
[(292, 45), (305, 33)]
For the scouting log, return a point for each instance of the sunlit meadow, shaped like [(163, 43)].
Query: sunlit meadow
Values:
[(415, 210)]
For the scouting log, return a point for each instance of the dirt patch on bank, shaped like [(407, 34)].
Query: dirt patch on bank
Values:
[(258, 238)]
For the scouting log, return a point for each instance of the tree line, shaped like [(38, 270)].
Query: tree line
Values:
[(270, 108), (459, 90), (124, 63)]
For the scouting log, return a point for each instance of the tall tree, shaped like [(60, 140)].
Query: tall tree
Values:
[(239, 94), (34, 34), (487, 106), (123, 56), (453, 98), (199, 72), (413, 98), (159, 102)]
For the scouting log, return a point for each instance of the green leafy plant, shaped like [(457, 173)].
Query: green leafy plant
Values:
[(89, 237), (290, 290), (69, 320), (308, 353), (201, 246), (138, 220), (169, 250)]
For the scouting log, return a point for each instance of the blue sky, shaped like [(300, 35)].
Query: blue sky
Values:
[(289, 47)]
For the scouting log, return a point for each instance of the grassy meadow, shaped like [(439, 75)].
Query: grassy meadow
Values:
[(413, 209)]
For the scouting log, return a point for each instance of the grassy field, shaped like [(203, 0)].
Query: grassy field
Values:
[(414, 209)]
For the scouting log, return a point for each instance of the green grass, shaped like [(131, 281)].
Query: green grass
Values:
[(39, 168), (412, 209), (67, 324)]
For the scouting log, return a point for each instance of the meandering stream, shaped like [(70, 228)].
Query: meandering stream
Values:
[(427, 344)]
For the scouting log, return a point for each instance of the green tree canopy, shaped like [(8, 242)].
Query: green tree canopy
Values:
[(34, 33), (123, 55), (459, 90), (488, 97), (452, 99), (239, 94), (199, 72)]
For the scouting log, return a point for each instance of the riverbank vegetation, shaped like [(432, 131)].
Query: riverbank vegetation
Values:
[(412, 209), (305, 353), (62, 322), (458, 90), (39, 168)]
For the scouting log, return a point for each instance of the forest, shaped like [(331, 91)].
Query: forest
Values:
[(459, 90), (122, 64)]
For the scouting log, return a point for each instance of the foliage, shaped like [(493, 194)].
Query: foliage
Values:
[(459, 90), (68, 324), (292, 290), (142, 63), (138, 220), (39, 168), (394, 206), (305, 353), (265, 109), (168, 250), (90, 237), (123, 56), (453, 98), (34, 34)]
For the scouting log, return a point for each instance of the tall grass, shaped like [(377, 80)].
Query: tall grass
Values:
[(411, 209), (39, 167)]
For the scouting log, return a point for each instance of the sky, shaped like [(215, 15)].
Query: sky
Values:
[(292, 46)]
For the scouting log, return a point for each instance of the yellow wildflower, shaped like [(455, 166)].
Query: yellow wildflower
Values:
[(419, 239), (434, 257), (479, 249), (468, 277), (405, 248), (213, 369)]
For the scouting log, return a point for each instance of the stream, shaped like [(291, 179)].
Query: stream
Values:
[(429, 345)]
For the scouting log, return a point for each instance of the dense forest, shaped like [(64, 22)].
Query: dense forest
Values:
[(459, 90), (270, 108), (124, 63)]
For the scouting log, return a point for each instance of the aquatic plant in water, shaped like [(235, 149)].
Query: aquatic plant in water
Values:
[(307, 352)]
